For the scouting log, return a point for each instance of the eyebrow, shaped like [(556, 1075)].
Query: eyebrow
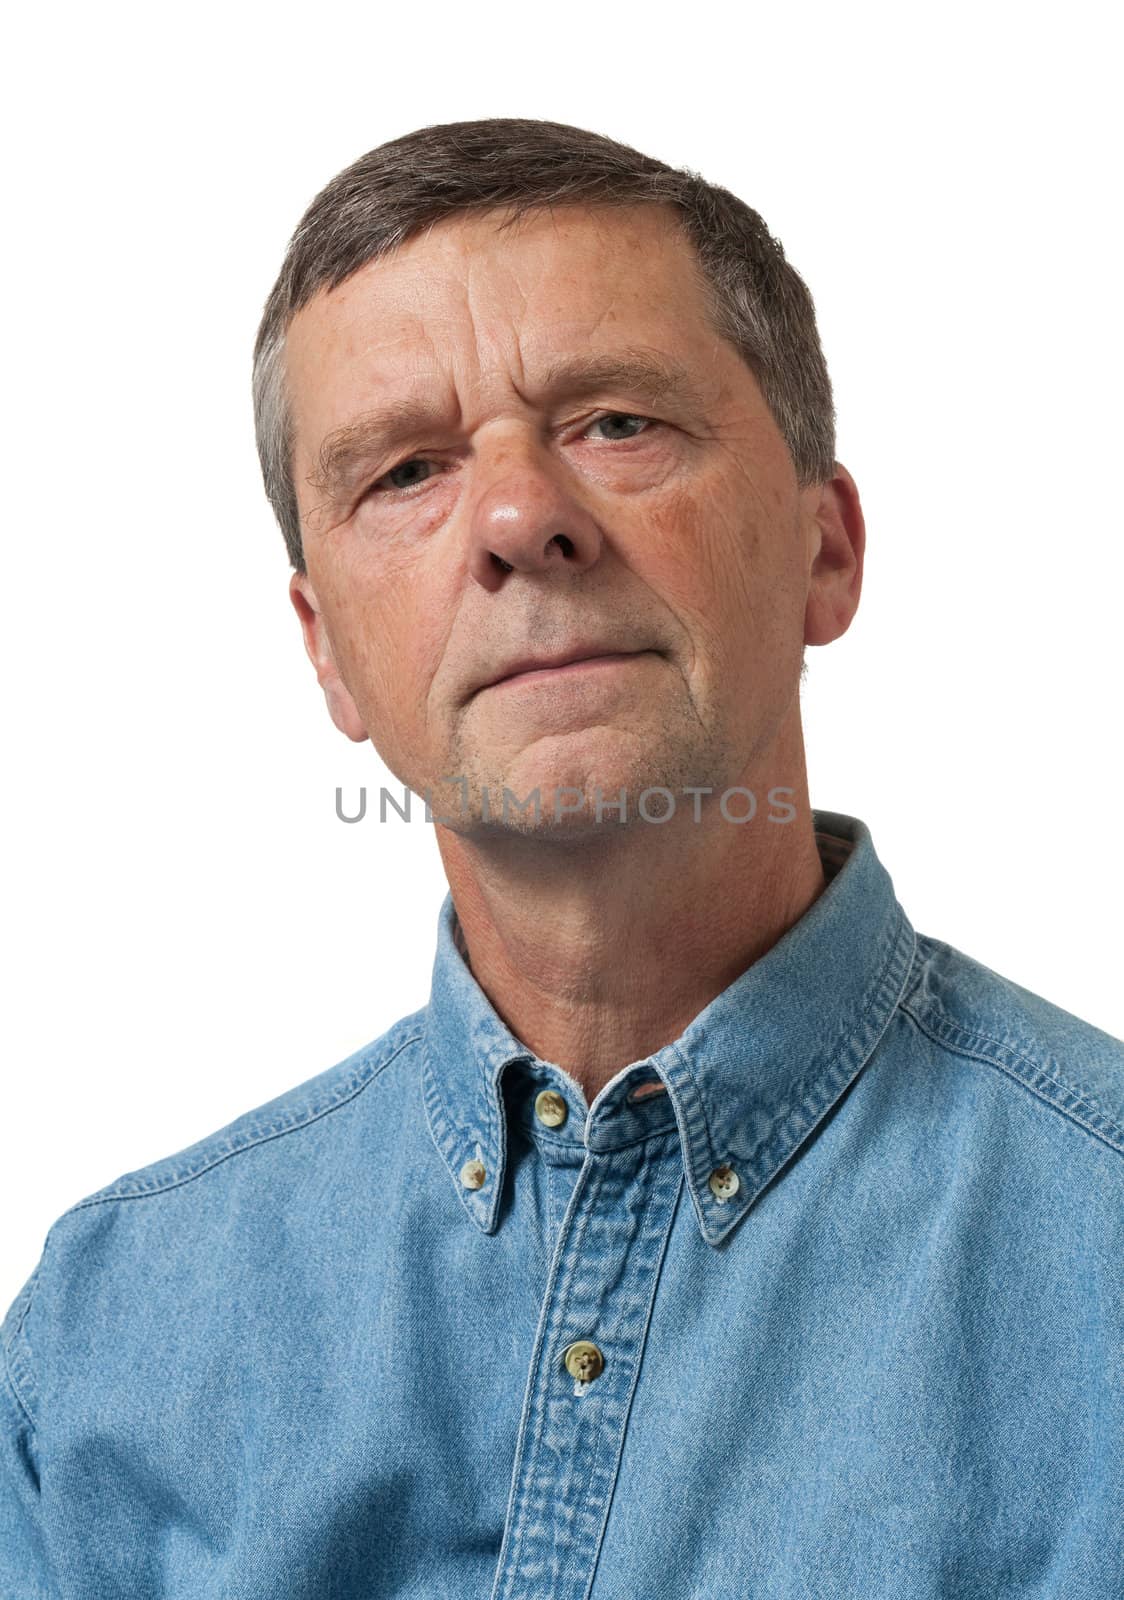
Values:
[(346, 451)]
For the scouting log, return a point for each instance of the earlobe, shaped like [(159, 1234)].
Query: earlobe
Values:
[(318, 647)]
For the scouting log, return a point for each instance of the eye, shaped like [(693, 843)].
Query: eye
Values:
[(404, 475), (615, 418), (416, 470)]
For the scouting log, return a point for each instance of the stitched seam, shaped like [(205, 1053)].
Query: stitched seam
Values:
[(254, 1138), (974, 1034), (963, 1046), (933, 1003), (572, 1144), (17, 1351), (12, 1385), (828, 1075)]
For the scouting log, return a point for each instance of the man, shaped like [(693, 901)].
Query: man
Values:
[(711, 1231)]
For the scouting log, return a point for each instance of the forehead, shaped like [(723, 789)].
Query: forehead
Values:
[(569, 258), (470, 305)]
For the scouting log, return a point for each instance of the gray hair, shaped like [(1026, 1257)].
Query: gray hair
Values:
[(759, 303)]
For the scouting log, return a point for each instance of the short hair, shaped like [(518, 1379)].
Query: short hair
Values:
[(758, 302)]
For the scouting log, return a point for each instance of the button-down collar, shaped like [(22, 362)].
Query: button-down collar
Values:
[(747, 1080)]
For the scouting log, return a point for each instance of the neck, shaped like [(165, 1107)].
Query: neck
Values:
[(601, 950)]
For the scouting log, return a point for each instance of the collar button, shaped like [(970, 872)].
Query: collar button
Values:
[(724, 1183), (551, 1109)]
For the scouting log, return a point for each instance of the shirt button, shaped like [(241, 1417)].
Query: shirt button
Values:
[(724, 1183), (473, 1174), (583, 1361), (551, 1109)]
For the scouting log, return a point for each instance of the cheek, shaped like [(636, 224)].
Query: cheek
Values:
[(704, 550), (380, 641), (726, 561)]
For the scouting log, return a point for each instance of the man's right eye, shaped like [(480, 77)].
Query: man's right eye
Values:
[(393, 478)]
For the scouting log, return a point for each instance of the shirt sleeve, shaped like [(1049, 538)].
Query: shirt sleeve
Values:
[(23, 1555)]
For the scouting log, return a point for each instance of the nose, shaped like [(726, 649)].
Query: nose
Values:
[(525, 517)]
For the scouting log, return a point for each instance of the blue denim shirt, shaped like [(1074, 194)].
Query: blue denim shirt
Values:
[(825, 1298)]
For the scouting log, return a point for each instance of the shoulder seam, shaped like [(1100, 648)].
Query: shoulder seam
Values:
[(354, 1084), (1064, 1097), (17, 1359), (10, 1380)]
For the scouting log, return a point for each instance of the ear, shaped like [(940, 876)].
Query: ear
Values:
[(836, 544), (341, 707)]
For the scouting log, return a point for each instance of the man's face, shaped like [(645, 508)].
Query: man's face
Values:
[(522, 483)]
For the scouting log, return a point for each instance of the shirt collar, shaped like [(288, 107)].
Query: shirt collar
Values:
[(747, 1080)]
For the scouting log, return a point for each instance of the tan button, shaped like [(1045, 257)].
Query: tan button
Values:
[(551, 1109), (473, 1174), (583, 1361), (724, 1183)]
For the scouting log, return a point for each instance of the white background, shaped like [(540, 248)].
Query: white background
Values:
[(188, 930)]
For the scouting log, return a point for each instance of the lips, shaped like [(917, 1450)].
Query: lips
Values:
[(563, 658)]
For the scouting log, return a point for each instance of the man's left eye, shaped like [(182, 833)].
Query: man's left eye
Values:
[(615, 418)]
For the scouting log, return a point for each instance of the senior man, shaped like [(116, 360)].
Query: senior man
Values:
[(710, 1231)]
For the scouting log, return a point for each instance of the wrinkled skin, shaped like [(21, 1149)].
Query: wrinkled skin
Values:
[(520, 519)]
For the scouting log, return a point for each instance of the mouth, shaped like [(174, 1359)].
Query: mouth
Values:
[(578, 667)]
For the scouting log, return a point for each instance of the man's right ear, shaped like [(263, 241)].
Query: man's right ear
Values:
[(341, 707)]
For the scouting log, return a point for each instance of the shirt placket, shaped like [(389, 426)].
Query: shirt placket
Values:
[(588, 1348)]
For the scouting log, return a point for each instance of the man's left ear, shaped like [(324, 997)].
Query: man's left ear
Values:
[(836, 545), (341, 707)]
